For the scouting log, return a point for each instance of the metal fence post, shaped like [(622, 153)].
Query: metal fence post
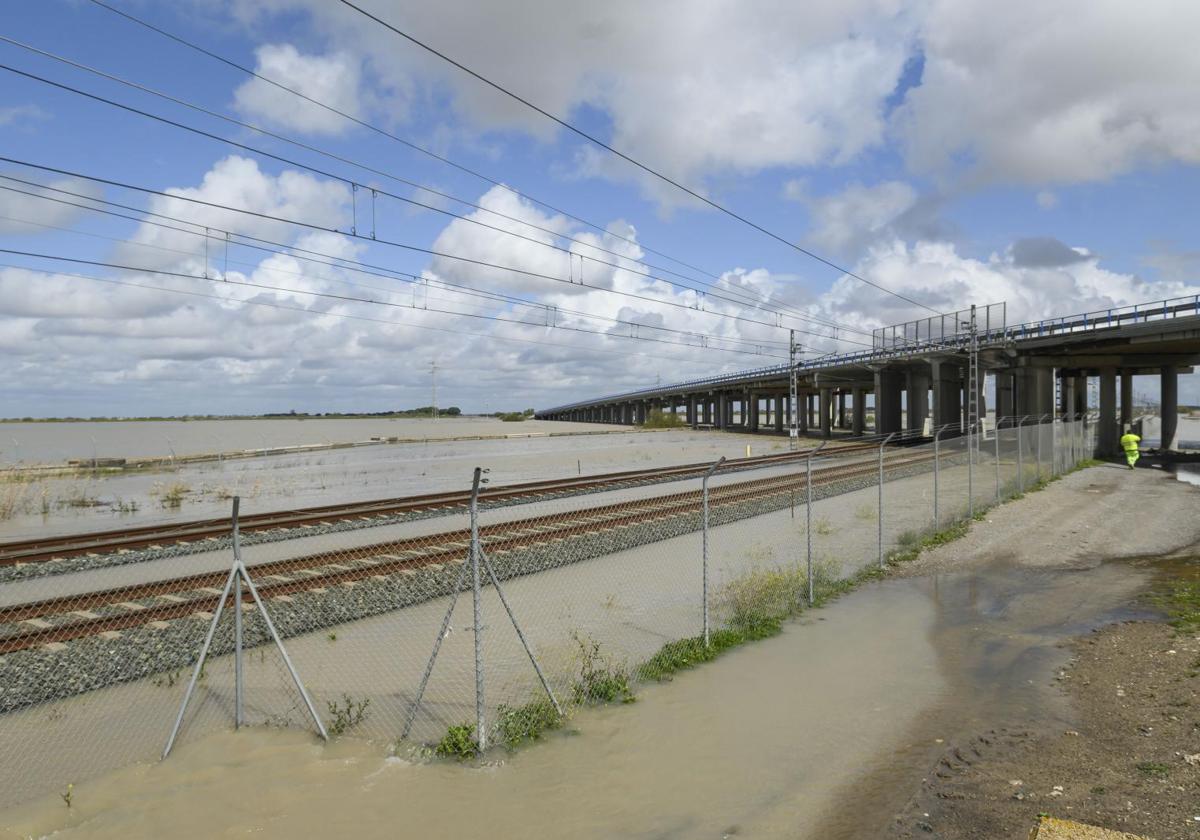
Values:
[(996, 432), (1020, 459), (704, 538), (480, 730), (808, 514), (238, 690), (881, 446), (936, 454)]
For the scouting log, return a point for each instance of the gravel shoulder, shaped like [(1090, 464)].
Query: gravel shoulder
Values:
[(1084, 519), (1127, 755)]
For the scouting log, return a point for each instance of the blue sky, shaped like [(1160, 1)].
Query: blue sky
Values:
[(911, 143)]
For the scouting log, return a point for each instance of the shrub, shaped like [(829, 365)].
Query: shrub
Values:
[(516, 725), (659, 419)]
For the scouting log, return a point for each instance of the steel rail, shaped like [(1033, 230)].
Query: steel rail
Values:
[(448, 547), (44, 549)]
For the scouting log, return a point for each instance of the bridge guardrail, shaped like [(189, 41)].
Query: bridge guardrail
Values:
[(1166, 309)]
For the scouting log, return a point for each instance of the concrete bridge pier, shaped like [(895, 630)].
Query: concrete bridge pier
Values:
[(946, 374), (1006, 406), (1126, 400), (1107, 434), (825, 408), (723, 410), (1169, 405), (779, 412), (751, 418), (858, 420), (1034, 391), (802, 412), (916, 383), (889, 385)]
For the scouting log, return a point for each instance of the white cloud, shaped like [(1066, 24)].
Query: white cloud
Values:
[(22, 115), (1054, 92), (1047, 200), (694, 87), (17, 209), (332, 79), (848, 220)]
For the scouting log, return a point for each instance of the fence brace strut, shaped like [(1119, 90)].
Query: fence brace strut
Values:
[(476, 561), (238, 575)]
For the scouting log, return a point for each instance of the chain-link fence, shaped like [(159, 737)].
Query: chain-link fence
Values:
[(463, 624)]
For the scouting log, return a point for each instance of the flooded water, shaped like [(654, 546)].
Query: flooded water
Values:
[(283, 482), (39, 443), (811, 734)]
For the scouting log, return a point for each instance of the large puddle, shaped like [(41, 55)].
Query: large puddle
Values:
[(815, 733)]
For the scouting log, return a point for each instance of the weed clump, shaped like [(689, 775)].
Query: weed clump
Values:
[(1183, 606), (600, 679), (170, 495), (656, 418), (517, 724), (688, 653), (458, 742), (347, 714)]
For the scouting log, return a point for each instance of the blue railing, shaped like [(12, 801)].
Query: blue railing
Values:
[(1083, 322)]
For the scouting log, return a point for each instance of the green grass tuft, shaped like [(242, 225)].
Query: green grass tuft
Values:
[(600, 679), (458, 742), (517, 724)]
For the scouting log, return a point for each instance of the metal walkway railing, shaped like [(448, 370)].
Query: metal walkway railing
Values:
[(1069, 324)]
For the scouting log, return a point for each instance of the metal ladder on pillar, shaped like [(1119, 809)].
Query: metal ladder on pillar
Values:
[(793, 408)]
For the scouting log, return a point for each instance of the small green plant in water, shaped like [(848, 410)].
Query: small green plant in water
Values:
[(688, 653), (347, 714), (333, 637), (1183, 606), (517, 724), (458, 742), (600, 680), (68, 794)]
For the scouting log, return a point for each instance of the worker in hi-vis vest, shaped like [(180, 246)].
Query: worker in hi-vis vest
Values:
[(1129, 442)]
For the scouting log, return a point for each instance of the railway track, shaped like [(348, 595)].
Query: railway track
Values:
[(58, 620), (44, 549)]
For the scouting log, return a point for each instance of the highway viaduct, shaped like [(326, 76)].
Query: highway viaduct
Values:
[(918, 372)]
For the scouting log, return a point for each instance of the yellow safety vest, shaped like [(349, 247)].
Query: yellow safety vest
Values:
[(1130, 441)]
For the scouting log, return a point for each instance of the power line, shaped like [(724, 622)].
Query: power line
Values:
[(403, 246), (348, 161), (363, 123), (408, 143), (342, 315), (354, 185), (705, 340), (593, 139), (351, 299)]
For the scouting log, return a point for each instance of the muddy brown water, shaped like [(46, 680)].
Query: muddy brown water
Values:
[(820, 732)]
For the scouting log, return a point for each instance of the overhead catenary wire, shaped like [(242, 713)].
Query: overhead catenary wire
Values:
[(707, 341), (750, 299), (351, 299), (400, 245), (644, 167), (421, 204), (391, 135), (383, 132), (342, 315)]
